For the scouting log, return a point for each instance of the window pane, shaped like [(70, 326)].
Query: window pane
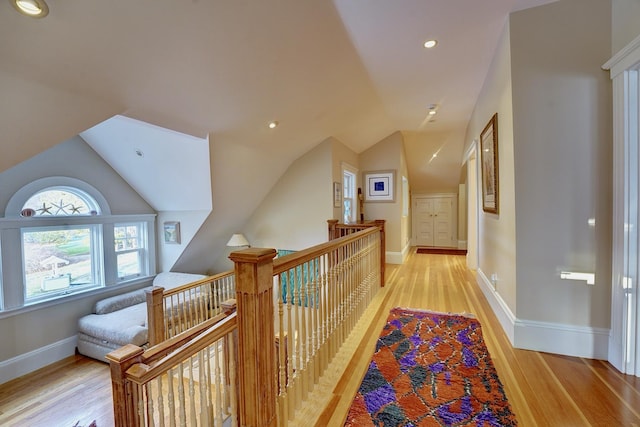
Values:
[(56, 260), (130, 249), (127, 237), (347, 210), (129, 264), (60, 202)]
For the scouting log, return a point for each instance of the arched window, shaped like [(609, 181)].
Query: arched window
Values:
[(60, 201), (70, 242)]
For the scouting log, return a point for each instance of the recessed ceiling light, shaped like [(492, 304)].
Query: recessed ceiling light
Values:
[(32, 8), (273, 124), (432, 112), (430, 43)]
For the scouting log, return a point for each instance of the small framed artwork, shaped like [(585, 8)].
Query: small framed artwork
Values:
[(172, 232), (337, 194), (489, 160), (379, 186)]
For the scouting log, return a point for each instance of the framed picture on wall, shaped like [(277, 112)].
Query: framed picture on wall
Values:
[(379, 186), (489, 160), (172, 232), (337, 194)]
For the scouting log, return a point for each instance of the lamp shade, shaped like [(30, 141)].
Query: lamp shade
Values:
[(238, 239)]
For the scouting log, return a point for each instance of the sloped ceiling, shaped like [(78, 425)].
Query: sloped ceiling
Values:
[(216, 69)]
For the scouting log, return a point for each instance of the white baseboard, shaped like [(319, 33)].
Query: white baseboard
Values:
[(36, 359), (500, 308), (394, 257), (569, 340), (558, 338)]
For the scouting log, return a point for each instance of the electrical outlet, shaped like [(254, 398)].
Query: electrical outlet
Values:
[(494, 280)]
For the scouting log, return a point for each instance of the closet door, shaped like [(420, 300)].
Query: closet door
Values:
[(423, 212), (433, 221), (442, 214)]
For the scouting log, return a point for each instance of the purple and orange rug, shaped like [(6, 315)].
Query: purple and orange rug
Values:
[(430, 369)]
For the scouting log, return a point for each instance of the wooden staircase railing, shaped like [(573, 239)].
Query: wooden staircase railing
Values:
[(172, 311), (337, 230), (186, 380), (305, 304)]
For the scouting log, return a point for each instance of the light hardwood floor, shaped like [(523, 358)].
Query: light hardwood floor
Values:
[(543, 389)]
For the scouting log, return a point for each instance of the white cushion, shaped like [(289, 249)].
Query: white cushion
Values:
[(124, 326), (118, 302)]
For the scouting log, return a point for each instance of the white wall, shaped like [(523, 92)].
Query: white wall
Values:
[(562, 126), (625, 18), (496, 233), (35, 336), (294, 213), (388, 154)]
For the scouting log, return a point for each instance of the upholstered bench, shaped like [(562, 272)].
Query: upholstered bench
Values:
[(122, 319)]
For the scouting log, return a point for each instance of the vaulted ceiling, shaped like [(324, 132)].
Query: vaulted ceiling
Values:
[(350, 69)]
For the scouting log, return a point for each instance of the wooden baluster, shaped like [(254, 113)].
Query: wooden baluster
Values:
[(160, 400), (291, 332), (171, 398), (254, 295), (218, 387), (182, 416)]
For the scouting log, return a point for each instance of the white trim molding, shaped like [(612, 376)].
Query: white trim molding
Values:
[(569, 340), (624, 342), (500, 308), (394, 257), (36, 359)]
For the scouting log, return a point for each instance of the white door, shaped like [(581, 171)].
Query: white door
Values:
[(424, 222), (433, 218), (442, 222)]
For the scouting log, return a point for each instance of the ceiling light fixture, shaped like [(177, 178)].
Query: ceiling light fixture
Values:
[(430, 43), (273, 124), (32, 8)]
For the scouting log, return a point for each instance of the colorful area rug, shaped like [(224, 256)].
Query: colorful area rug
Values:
[(430, 369)]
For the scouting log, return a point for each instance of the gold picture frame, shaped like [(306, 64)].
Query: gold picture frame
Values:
[(489, 160)]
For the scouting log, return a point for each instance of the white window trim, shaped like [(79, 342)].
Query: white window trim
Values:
[(11, 249), (20, 197), (356, 204), (624, 339)]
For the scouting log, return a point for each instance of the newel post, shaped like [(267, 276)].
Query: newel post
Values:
[(256, 355), (383, 249), (125, 396), (155, 315), (332, 224)]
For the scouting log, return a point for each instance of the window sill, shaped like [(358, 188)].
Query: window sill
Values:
[(64, 299)]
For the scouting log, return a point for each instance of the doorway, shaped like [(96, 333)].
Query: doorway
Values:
[(433, 220)]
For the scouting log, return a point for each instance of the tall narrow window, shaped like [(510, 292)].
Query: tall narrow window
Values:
[(130, 249), (349, 202)]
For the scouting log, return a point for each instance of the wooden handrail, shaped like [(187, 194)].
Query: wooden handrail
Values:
[(159, 314), (151, 366), (289, 261), (131, 366), (322, 292), (337, 230)]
